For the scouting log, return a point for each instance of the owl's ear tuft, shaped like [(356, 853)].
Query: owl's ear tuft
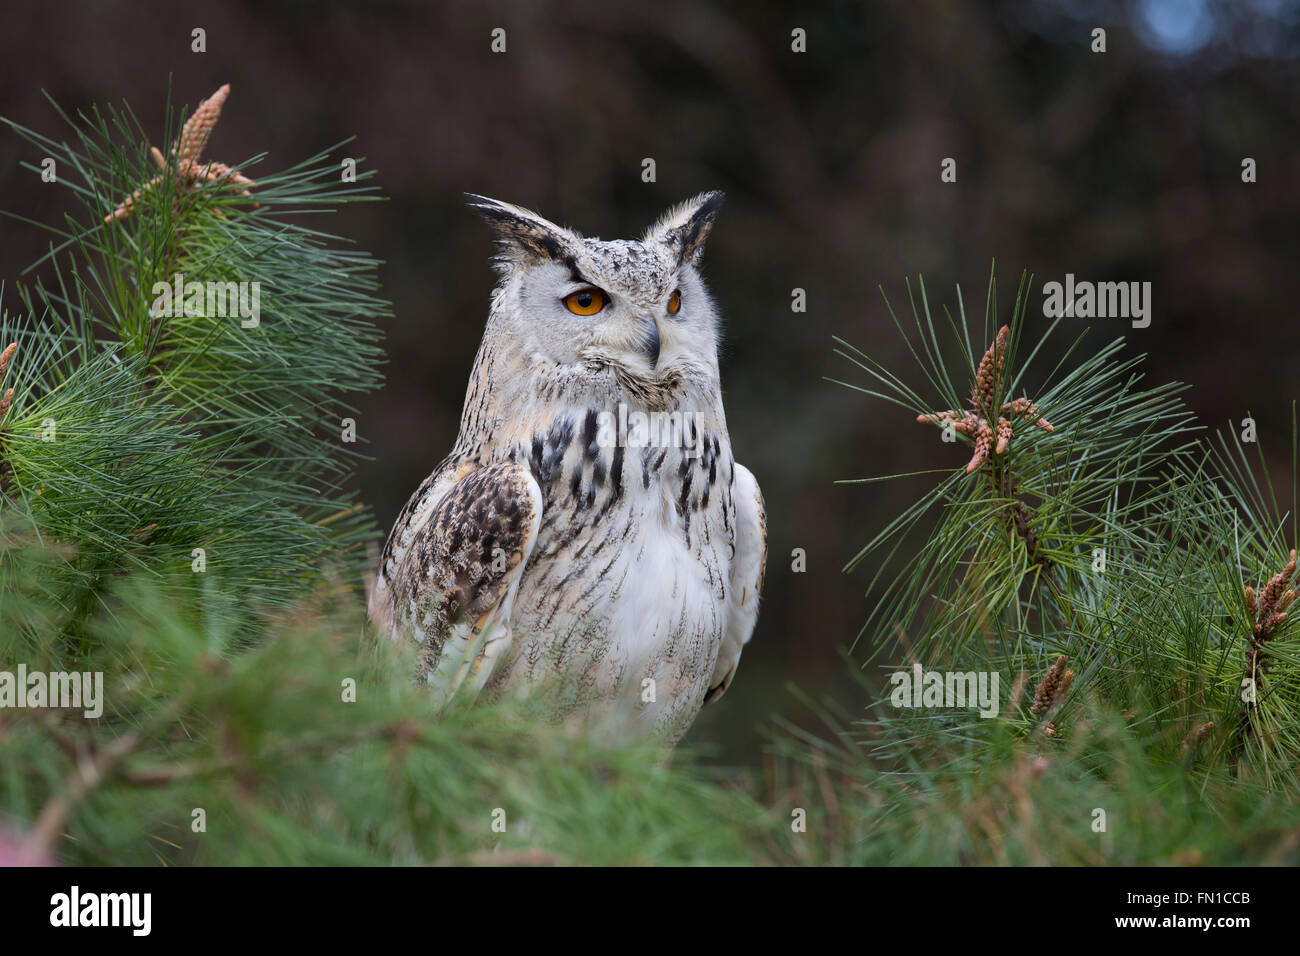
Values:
[(686, 226), (523, 236)]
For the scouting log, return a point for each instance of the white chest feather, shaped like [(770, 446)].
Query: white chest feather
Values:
[(626, 591)]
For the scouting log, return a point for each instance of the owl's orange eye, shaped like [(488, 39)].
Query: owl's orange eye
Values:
[(585, 301), (674, 302)]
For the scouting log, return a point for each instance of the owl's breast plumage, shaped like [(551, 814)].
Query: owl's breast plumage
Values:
[(625, 593)]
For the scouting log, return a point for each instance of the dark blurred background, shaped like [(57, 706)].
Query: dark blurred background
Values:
[(1117, 166)]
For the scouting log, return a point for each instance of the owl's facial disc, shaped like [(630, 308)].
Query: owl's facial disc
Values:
[(602, 315), (627, 336)]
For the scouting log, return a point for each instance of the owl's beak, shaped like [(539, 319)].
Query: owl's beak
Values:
[(652, 342)]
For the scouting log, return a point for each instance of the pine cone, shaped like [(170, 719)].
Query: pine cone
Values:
[(1050, 687)]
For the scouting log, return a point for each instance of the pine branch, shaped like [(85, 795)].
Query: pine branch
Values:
[(149, 429), (1138, 536)]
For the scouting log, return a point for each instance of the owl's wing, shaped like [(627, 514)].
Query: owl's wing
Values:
[(459, 569), (414, 516), (747, 571)]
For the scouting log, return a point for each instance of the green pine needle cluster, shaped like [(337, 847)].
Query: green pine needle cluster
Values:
[(917, 790), (268, 756), (147, 434), (1122, 541)]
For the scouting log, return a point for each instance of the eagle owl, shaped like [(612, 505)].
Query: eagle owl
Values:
[(591, 528)]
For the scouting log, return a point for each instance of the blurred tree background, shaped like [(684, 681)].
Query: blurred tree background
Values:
[(1117, 166)]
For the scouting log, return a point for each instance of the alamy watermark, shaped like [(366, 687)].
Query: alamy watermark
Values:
[(638, 429), (75, 690), (242, 300), (921, 688), (1101, 300), (133, 911)]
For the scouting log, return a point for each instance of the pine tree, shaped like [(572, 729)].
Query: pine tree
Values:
[(1125, 577)]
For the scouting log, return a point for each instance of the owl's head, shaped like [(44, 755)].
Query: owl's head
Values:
[(637, 306)]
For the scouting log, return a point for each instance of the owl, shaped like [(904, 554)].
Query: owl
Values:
[(590, 538)]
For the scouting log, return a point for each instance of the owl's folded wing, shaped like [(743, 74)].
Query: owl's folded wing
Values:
[(747, 571), (455, 584)]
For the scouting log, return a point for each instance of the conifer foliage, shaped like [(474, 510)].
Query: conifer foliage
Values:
[(177, 424), (183, 371), (1115, 572)]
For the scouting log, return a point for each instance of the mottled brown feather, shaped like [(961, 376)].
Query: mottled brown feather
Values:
[(462, 561)]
